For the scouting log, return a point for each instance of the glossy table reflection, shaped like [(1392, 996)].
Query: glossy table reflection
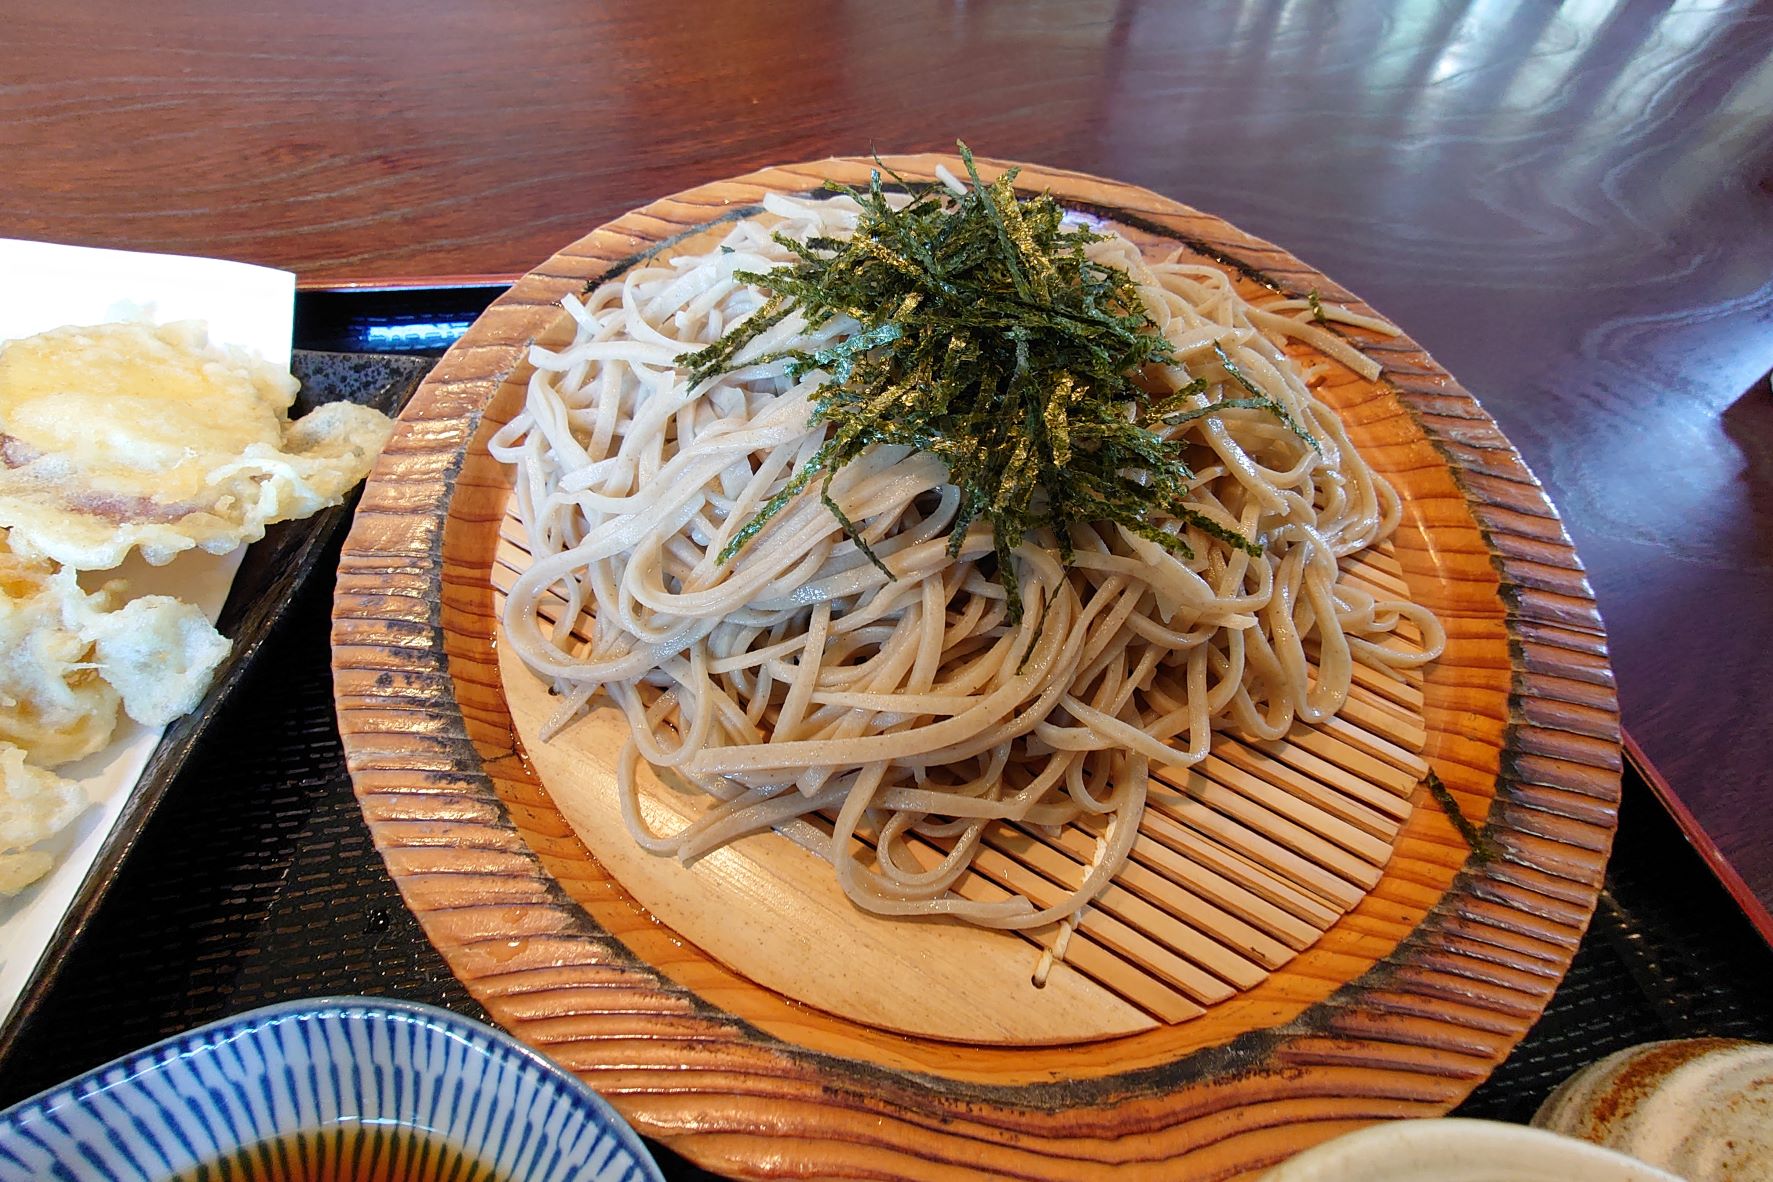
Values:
[(1570, 205)]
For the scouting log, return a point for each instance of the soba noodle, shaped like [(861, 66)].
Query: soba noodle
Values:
[(803, 690)]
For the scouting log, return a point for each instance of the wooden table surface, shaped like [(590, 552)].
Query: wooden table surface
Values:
[(1570, 205)]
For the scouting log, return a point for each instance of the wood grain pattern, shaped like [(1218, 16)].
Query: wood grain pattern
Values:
[(1399, 1009)]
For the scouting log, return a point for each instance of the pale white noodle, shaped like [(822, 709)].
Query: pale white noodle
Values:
[(797, 679)]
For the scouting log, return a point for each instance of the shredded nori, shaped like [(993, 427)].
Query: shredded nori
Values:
[(989, 339)]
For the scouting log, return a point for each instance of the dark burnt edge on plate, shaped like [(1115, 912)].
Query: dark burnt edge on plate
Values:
[(1254, 1053), (917, 189), (618, 269), (1094, 209), (270, 572), (468, 776), (1478, 432)]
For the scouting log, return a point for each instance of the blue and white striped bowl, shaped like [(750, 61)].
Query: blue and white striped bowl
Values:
[(310, 1065)]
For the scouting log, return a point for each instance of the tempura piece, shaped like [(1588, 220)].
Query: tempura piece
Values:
[(159, 653), (126, 436), (53, 702), (67, 658), (35, 805), (20, 868)]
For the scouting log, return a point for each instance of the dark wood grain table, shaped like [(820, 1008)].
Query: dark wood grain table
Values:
[(1570, 205)]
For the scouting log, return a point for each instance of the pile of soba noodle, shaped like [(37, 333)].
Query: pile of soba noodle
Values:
[(797, 678)]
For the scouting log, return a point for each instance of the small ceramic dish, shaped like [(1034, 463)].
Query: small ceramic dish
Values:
[(1700, 1107), (295, 1082), (1459, 1150)]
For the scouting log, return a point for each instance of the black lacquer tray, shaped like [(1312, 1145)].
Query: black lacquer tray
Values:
[(270, 574)]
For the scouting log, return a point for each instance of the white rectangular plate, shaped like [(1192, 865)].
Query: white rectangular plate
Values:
[(45, 286)]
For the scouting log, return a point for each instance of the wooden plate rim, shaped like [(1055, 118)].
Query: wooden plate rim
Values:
[(391, 651)]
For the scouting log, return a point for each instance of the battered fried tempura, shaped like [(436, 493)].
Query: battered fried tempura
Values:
[(35, 805), (52, 701), (114, 438), (130, 435), (67, 658)]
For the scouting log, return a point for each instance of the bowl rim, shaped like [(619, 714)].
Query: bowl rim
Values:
[(481, 1037), (1365, 1152)]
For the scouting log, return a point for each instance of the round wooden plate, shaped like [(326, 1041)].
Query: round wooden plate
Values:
[(1401, 1007)]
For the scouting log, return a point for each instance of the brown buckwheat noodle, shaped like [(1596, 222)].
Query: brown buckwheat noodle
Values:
[(796, 678)]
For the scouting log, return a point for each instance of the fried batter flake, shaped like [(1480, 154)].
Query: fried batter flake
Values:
[(69, 657), (127, 436), (35, 805)]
